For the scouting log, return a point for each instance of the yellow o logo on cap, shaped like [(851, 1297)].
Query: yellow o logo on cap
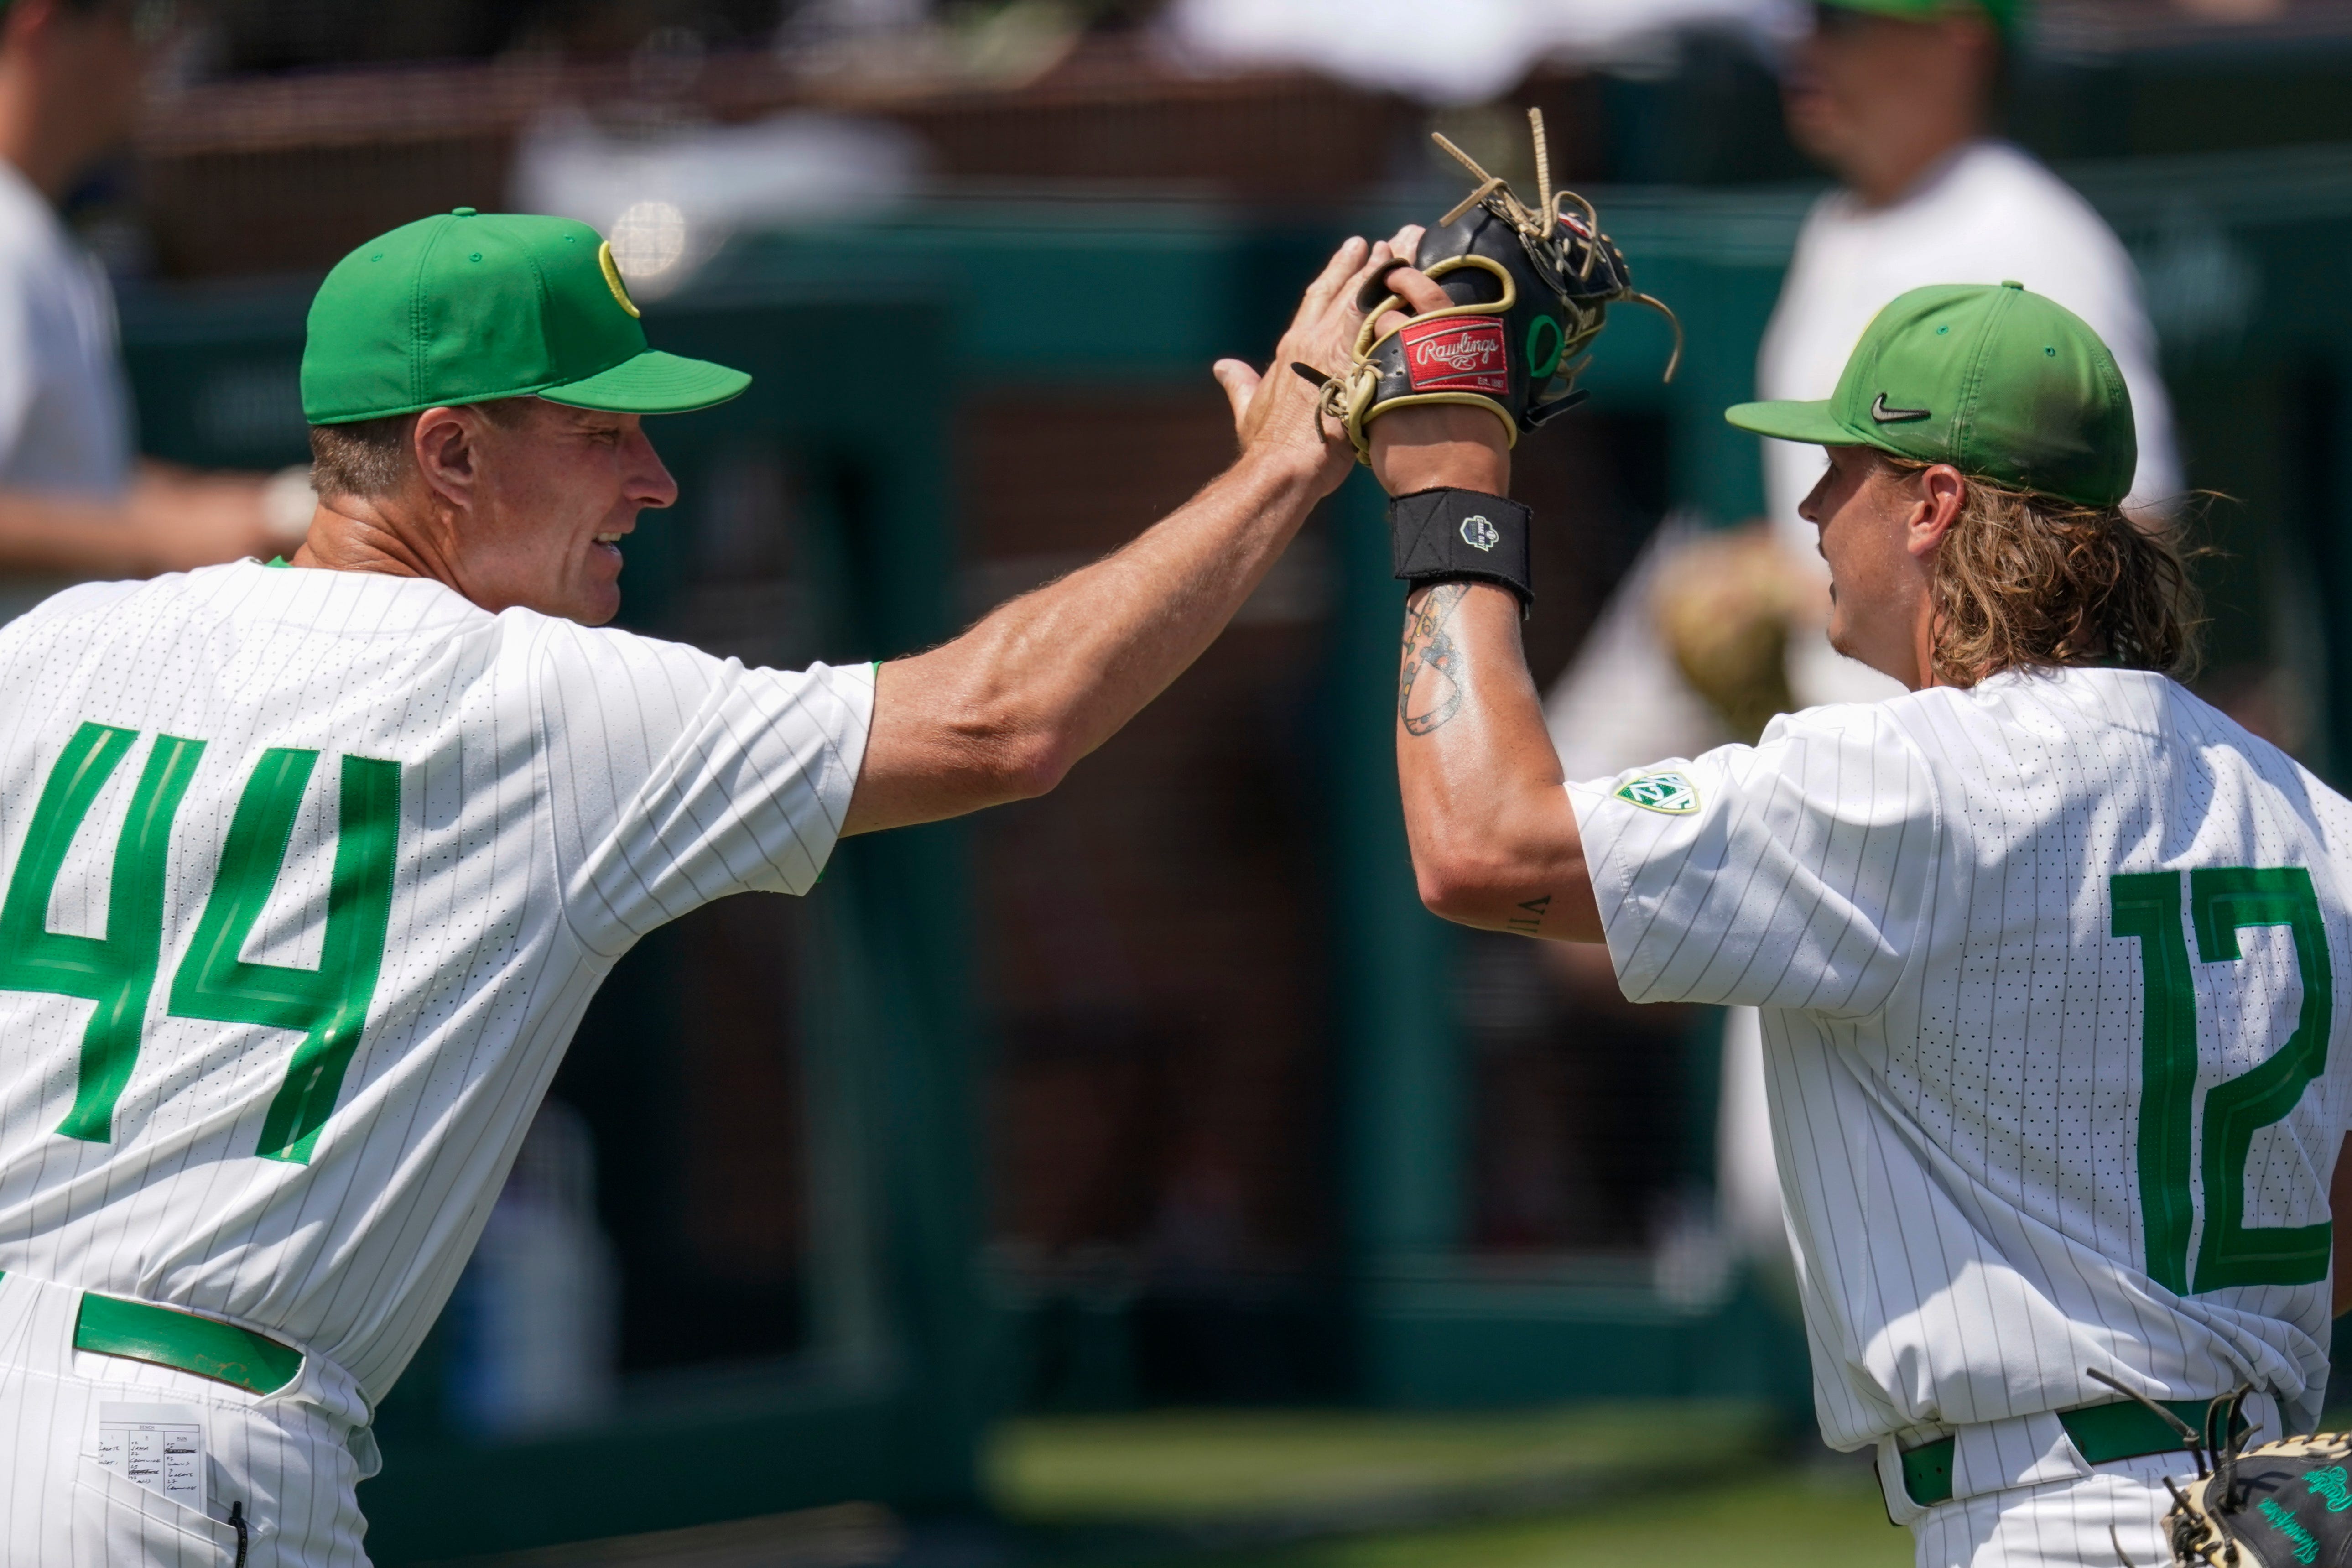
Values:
[(613, 277)]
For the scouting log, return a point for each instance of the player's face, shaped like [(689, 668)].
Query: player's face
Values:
[(559, 489), (1871, 97), (97, 60), (1865, 510)]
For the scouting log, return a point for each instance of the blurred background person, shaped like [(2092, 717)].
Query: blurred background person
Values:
[(75, 500), (1711, 633)]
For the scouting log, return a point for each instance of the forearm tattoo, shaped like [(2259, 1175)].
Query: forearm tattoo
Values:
[(1528, 920), (1429, 688)]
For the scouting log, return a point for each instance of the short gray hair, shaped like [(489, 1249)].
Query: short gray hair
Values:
[(371, 458)]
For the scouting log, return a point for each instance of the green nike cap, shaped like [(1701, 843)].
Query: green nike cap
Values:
[(2001, 383), (2006, 15), (468, 307)]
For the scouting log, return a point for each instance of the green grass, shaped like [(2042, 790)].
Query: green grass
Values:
[(1669, 1484), (1791, 1520), (1203, 1467)]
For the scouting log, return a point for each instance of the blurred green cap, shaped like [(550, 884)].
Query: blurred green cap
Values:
[(2006, 15), (468, 307), (2003, 385)]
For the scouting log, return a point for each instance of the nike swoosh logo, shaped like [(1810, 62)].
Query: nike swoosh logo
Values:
[(1885, 415)]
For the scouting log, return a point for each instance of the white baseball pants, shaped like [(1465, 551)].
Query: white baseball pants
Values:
[(2060, 1524), (286, 1463)]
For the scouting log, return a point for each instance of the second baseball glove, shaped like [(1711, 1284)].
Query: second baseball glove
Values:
[(2286, 1504), (2281, 1504)]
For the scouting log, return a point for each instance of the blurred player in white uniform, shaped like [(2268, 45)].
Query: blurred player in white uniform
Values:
[(2054, 960), (74, 500), (1894, 97), (308, 871)]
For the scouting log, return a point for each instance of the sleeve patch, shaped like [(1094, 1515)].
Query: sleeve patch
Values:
[(1670, 793)]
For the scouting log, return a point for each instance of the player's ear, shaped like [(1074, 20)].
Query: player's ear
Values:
[(1939, 494), (447, 454)]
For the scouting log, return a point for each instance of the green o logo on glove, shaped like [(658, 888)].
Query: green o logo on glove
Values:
[(1543, 357)]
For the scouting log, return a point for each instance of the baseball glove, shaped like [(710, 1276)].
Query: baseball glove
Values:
[(2281, 1504), (1531, 289), (1723, 604)]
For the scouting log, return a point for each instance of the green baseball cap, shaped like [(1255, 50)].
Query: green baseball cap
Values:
[(2001, 383), (468, 307), (2006, 15)]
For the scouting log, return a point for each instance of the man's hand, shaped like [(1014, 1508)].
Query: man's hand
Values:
[(181, 519), (1276, 411), (171, 521), (1439, 446)]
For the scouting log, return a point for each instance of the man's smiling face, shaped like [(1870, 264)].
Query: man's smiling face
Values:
[(558, 488)]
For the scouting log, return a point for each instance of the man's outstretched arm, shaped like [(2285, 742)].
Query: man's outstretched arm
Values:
[(168, 519), (1004, 710), (1495, 841)]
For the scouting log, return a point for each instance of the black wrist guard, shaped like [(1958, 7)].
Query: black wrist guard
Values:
[(1462, 536)]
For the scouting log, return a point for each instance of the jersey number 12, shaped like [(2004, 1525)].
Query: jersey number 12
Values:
[(327, 1006), (2147, 905)]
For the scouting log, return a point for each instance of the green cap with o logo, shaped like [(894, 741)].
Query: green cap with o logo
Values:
[(2003, 385), (468, 307)]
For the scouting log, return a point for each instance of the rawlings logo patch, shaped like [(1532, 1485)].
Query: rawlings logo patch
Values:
[(1670, 793), (2299, 1540), (1458, 354), (2332, 1487)]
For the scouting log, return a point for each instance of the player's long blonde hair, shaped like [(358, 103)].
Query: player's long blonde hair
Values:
[(2027, 580)]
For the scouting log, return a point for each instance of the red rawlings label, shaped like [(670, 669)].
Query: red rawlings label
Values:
[(1458, 354)]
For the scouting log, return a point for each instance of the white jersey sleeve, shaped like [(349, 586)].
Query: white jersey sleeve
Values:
[(678, 778), (1788, 873)]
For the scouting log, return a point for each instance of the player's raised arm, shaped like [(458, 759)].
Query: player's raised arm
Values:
[(1004, 710), (1495, 841)]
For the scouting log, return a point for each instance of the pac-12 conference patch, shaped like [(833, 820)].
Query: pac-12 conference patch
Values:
[(1671, 792)]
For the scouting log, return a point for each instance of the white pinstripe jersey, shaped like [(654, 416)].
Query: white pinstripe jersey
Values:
[(308, 877), (2055, 976)]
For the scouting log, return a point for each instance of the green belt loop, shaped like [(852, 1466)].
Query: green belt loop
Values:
[(2123, 1429), (1927, 1472), (185, 1343)]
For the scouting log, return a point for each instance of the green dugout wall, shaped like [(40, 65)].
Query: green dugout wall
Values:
[(863, 340)]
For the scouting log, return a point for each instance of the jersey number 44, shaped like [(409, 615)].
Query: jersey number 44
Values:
[(327, 1006), (2222, 902)]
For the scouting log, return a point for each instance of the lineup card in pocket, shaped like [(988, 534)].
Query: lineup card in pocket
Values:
[(160, 1446)]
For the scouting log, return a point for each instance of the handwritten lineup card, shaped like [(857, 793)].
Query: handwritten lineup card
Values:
[(160, 1446)]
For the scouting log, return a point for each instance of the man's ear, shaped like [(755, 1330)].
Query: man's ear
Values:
[(1940, 493), (447, 455)]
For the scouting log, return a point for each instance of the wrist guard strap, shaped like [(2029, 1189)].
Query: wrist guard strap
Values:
[(1462, 536)]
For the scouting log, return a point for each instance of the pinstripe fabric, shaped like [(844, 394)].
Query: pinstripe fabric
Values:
[(292, 1459), (563, 790), (2062, 1524), (1915, 893)]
